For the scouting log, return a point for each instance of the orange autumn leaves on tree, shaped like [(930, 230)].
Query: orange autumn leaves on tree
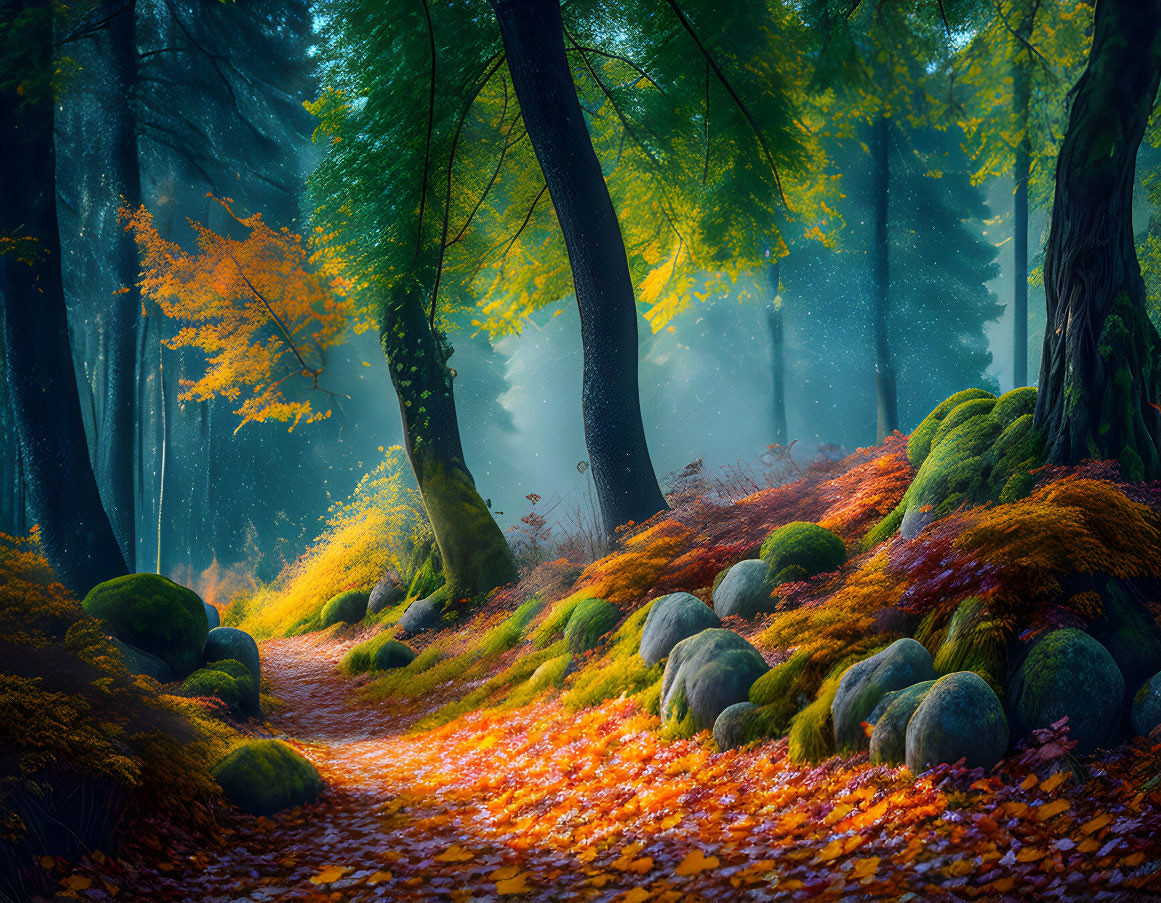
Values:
[(261, 309)]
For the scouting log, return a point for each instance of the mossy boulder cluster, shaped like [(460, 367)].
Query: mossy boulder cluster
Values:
[(263, 777), (958, 717), (349, 607), (704, 675), (671, 619), (228, 680), (153, 614), (972, 448), (800, 550), (863, 685)]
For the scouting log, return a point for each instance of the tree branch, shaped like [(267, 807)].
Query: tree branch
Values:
[(427, 146)]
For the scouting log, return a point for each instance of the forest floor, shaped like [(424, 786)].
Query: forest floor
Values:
[(545, 804)]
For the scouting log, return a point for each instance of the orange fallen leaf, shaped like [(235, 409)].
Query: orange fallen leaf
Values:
[(330, 873), (455, 853), (517, 884), (379, 877), (1049, 810), (1095, 824), (504, 872), (831, 851), (1054, 781), (1030, 854), (77, 882), (865, 868), (696, 863), (636, 895)]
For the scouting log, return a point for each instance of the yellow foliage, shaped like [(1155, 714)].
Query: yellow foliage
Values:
[(370, 533)]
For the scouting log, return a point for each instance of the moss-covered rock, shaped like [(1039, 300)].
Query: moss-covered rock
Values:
[(800, 550), (671, 619), (1068, 674), (972, 449), (228, 680), (745, 591), (704, 675), (960, 717), (890, 718), (154, 614), (231, 643), (1145, 713), (392, 654), (262, 777), (902, 664), (974, 642), (919, 445), (732, 727), (380, 653), (349, 607), (591, 620), (550, 673)]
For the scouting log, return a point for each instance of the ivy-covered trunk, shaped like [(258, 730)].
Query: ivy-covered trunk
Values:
[(476, 557), (886, 400), (1098, 375), (533, 35), (118, 429), (62, 491)]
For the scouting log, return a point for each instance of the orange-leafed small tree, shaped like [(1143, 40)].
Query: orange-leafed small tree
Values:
[(261, 309)]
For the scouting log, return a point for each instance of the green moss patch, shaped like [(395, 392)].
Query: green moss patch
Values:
[(345, 608), (262, 777), (800, 550)]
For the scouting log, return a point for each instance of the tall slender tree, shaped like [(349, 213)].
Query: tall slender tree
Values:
[(74, 529), (1098, 375)]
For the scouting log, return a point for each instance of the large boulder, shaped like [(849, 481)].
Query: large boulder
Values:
[(345, 608), (800, 550), (213, 619), (1068, 674), (591, 620), (1146, 710), (960, 717), (155, 615), (1130, 634), (705, 675), (138, 661), (421, 615), (671, 619), (744, 590), (890, 718), (262, 777), (228, 680), (902, 664), (731, 729), (387, 592), (232, 643)]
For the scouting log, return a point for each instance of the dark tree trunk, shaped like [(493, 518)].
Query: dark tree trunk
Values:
[(886, 401), (778, 358), (1098, 375), (118, 424), (476, 557), (74, 529), (614, 433), (1020, 97)]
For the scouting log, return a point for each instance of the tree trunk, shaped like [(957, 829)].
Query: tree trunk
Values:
[(1098, 375), (778, 357), (74, 529), (614, 433), (476, 557), (117, 429), (886, 401), (1021, 92)]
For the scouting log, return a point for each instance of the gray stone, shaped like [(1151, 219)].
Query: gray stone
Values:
[(229, 642), (138, 661), (730, 726), (387, 592), (421, 615), (705, 675), (1068, 674), (1146, 711), (863, 684), (671, 619), (744, 591), (960, 717), (891, 717), (213, 619)]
